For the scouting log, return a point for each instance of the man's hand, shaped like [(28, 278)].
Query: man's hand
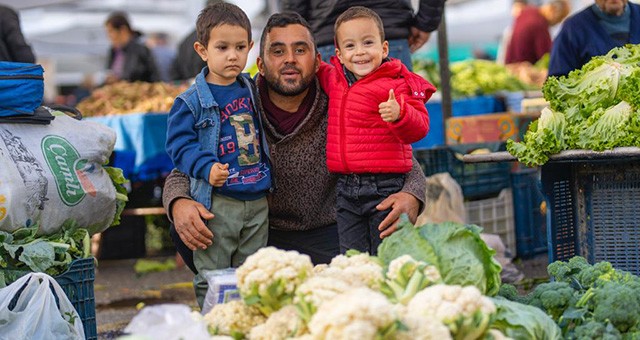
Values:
[(389, 110), (399, 203), (187, 218), (417, 39), (218, 174)]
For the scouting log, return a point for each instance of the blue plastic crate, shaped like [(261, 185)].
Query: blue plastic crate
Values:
[(477, 180), (593, 211), (529, 213), (77, 284)]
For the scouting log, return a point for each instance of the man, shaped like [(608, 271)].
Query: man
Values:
[(405, 31), (302, 213), (12, 44), (594, 31), (530, 38)]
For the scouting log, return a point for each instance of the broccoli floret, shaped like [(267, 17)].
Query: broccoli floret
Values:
[(594, 330), (619, 304), (567, 271), (590, 274), (553, 297), (509, 292)]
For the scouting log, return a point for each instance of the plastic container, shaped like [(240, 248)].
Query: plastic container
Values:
[(529, 212), (593, 211), (477, 180), (77, 283), (495, 216)]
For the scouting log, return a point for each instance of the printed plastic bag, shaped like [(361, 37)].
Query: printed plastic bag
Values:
[(35, 314), (167, 322), (223, 287), (443, 200), (51, 173)]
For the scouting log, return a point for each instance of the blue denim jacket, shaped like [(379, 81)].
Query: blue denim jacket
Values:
[(206, 113)]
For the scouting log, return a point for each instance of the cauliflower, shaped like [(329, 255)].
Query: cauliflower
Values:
[(464, 310), (312, 293), (233, 318), (283, 324), (269, 278), (421, 328), (406, 277), (359, 314), (356, 270)]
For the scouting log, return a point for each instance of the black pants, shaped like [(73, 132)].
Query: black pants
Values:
[(358, 219)]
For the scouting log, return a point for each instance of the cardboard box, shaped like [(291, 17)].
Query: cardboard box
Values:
[(488, 128)]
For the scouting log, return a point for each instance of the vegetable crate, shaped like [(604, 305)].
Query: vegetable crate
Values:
[(530, 213), (593, 211), (495, 216), (77, 283), (477, 180)]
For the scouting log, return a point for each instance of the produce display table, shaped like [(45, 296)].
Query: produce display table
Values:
[(139, 150), (593, 204)]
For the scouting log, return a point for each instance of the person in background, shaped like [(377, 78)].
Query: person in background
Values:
[(594, 31), (530, 37), (187, 63), (516, 7), (13, 47), (215, 135), (128, 58), (302, 208), (405, 30), (163, 54), (376, 110)]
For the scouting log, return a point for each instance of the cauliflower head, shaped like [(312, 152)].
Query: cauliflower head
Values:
[(268, 279), (464, 310), (420, 328), (283, 324), (233, 318), (359, 270), (406, 277), (314, 292), (359, 314)]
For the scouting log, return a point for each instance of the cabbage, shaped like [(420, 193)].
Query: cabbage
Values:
[(519, 321), (455, 249)]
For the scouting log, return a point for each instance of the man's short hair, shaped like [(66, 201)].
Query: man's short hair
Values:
[(358, 12), (282, 20), (218, 14)]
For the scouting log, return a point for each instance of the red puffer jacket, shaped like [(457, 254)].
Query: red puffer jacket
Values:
[(358, 140)]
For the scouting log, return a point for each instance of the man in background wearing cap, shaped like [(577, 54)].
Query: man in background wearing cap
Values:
[(530, 39), (594, 31)]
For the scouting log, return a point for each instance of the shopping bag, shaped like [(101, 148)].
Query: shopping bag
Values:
[(28, 310), (21, 88), (54, 173)]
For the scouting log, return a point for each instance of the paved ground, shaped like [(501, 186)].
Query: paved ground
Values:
[(118, 290)]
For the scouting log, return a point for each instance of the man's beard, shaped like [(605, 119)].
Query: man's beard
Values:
[(287, 88)]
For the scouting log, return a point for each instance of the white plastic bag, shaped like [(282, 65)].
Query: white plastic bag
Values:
[(168, 322), (35, 315), (51, 173), (444, 201), (222, 288)]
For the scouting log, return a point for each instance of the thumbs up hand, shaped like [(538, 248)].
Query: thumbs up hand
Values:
[(218, 174), (390, 110)]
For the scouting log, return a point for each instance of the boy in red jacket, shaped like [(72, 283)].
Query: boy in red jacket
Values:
[(376, 110)]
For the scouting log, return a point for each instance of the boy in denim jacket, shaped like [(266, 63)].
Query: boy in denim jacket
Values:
[(215, 136)]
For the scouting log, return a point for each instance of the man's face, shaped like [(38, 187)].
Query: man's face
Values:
[(612, 7), (290, 61)]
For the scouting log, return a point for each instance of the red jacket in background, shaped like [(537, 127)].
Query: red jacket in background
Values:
[(358, 140), (530, 38)]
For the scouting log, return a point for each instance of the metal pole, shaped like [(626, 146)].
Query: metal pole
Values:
[(445, 74)]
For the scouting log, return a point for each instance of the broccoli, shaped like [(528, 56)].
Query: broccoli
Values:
[(553, 297), (619, 304), (510, 292), (594, 330)]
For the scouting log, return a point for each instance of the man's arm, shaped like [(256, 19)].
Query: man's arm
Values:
[(410, 201), (186, 214), (300, 7), (16, 45), (426, 21)]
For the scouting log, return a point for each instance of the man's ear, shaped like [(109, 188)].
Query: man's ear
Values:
[(260, 65), (385, 49), (201, 50), (318, 61)]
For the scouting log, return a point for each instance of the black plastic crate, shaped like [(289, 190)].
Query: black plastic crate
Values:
[(477, 180), (77, 284), (529, 213), (593, 211)]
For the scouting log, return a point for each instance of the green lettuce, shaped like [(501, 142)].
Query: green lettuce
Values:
[(118, 180), (456, 250)]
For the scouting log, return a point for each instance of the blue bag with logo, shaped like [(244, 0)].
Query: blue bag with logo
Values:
[(21, 88)]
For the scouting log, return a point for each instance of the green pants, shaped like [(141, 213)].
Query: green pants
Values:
[(239, 229)]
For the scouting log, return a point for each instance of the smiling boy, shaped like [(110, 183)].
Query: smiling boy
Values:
[(376, 110), (215, 136)]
